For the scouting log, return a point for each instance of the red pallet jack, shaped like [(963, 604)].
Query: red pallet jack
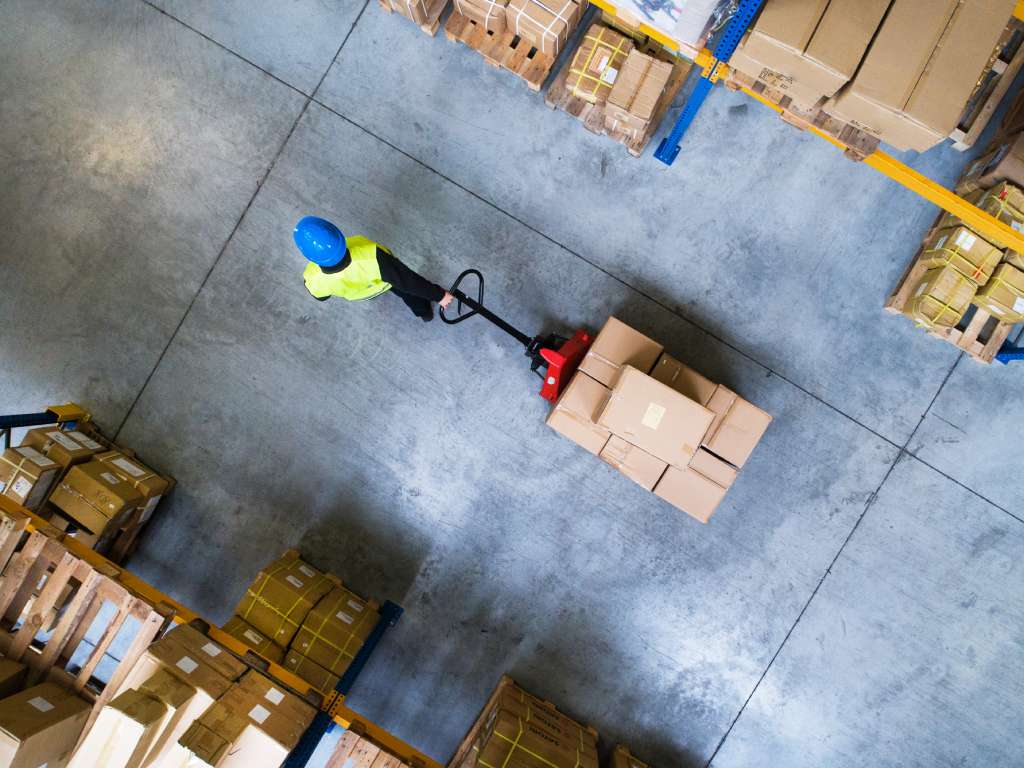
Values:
[(558, 356)]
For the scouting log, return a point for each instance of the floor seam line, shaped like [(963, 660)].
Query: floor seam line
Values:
[(337, 53)]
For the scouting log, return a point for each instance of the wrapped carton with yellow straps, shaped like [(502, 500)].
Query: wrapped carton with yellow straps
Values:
[(967, 252), (310, 671), (335, 630), (597, 62), (1003, 297), (62, 447), (26, 476), (940, 299), (259, 642), (281, 596)]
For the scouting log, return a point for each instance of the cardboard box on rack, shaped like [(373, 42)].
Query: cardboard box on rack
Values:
[(683, 379), (124, 732), (59, 446), (638, 465), (148, 483), (655, 417), (310, 671), (737, 429), (26, 476), (93, 496), (490, 14), (965, 251), (418, 11), (335, 629), (636, 94), (280, 597), (1003, 297), (256, 640), (40, 726), (940, 299), (574, 415), (597, 63), (184, 704), (1004, 163), (1003, 201), (545, 24), (616, 346)]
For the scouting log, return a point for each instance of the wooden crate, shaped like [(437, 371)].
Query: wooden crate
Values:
[(433, 14), (978, 334), (559, 96), (504, 50), (357, 750)]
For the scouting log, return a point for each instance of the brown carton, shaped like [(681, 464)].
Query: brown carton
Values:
[(940, 299), (212, 735), (310, 671), (737, 428), (683, 379), (40, 726), (803, 96), (12, 677), (418, 11), (148, 483), (639, 466), (334, 631), (1004, 163), (655, 418), (1003, 201), (26, 476), (183, 703), (597, 63), (490, 14), (93, 496), (215, 656), (259, 642), (965, 251), (616, 346), (634, 98), (1003, 297), (290, 714), (545, 24), (714, 468), (621, 758), (124, 732), (59, 446), (574, 414), (281, 596), (690, 491)]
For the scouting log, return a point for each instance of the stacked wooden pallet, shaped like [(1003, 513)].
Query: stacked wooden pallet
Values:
[(504, 50)]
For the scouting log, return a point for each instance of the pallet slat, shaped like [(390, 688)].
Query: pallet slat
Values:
[(504, 50)]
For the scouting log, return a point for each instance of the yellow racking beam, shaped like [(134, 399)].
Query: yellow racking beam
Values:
[(1018, 12)]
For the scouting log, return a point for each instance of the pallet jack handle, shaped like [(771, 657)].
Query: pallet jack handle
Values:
[(476, 307)]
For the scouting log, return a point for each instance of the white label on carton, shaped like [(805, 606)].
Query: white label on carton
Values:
[(187, 665), (297, 583), (602, 62), (85, 440), (252, 637), (41, 704), (610, 75), (21, 487), (34, 456), (59, 437), (920, 289), (1018, 225), (653, 416), (1018, 305), (342, 616), (997, 310), (355, 605), (966, 240), (274, 696), (112, 479), (132, 469), (259, 713), (306, 570), (211, 650)]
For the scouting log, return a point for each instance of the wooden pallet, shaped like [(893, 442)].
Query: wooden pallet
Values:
[(433, 15), (45, 587), (357, 750), (1007, 60), (559, 96), (859, 143), (978, 334), (504, 50)]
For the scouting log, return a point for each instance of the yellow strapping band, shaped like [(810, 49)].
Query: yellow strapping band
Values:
[(978, 271), (583, 73), (286, 616), (341, 651), (18, 467)]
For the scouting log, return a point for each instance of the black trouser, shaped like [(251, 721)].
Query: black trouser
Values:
[(419, 306)]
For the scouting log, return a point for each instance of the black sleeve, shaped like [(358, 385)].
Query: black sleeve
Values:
[(404, 280)]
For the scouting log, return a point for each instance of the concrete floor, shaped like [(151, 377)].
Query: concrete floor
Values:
[(857, 598)]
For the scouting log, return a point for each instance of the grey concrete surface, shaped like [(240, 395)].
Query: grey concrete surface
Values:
[(412, 459), (895, 664)]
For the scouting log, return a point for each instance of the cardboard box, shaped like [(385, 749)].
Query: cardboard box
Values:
[(148, 483), (714, 468), (215, 656), (1004, 201), (490, 14), (184, 704), (639, 466), (690, 491), (802, 96), (190, 665), (940, 299), (61, 447), (26, 476), (40, 726), (123, 733), (738, 427), (596, 65), (310, 671), (281, 596), (334, 631), (1003, 297), (683, 379), (545, 24), (636, 94), (655, 417), (1004, 163), (12, 677), (616, 346), (211, 736), (576, 410), (621, 758), (93, 496), (965, 251), (418, 11), (259, 642), (294, 714)]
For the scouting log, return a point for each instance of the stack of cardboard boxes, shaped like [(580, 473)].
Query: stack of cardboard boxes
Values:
[(306, 620), (27, 476), (544, 24), (422, 12), (634, 99), (657, 421), (597, 63), (901, 70), (41, 725), (490, 14)]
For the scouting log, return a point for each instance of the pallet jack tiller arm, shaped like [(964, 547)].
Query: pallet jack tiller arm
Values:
[(557, 355)]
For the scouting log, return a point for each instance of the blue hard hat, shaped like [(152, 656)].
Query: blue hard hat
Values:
[(320, 241)]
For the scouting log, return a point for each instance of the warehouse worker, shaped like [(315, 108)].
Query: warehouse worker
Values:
[(356, 268)]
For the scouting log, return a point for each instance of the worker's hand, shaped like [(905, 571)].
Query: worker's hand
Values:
[(446, 300)]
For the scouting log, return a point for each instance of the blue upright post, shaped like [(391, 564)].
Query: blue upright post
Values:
[(724, 48), (390, 613), (1009, 353)]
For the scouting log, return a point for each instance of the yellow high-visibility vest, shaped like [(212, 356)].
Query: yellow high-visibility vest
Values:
[(358, 281)]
